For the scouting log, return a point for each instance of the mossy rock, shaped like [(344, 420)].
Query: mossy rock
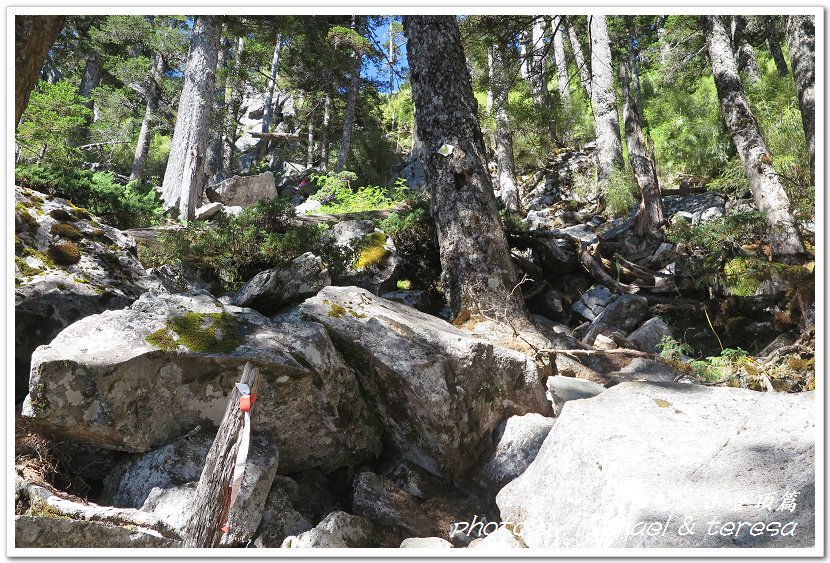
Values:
[(371, 251), (27, 222), (67, 231), (209, 333), (64, 254), (61, 215), (23, 267)]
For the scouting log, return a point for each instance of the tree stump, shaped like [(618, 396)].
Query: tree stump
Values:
[(212, 502)]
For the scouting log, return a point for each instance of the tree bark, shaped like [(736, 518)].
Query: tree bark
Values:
[(324, 134), (538, 75), (142, 147), (181, 180), (348, 118), (504, 135), (234, 91), (650, 216), (579, 56), (774, 44), (745, 53), (801, 41), (33, 37), (477, 273), (216, 143), (213, 491), (767, 190), (272, 84), (90, 79), (558, 25), (604, 101), (309, 159)]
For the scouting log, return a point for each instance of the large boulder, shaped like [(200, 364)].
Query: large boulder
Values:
[(338, 529), (274, 289), (49, 531), (243, 190), (280, 518), (439, 392), (137, 378), (68, 266), (618, 467), (375, 262)]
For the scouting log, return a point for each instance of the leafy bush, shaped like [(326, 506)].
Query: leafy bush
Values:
[(121, 206), (236, 248), (338, 197), (620, 192), (723, 367)]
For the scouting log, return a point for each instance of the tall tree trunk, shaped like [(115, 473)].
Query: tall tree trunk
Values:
[(558, 26), (33, 37), (234, 91), (181, 186), (579, 56), (524, 54), (504, 135), (90, 78), (774, 44), (216, 143), (477, 272), (491, 78), (272, 84), (50, 71), (354, 86), (767, 190), (142, 147), (324, 134), (747, 61), (538, 75), (650, 217), (604, 101), (309, 159), (801, 41)]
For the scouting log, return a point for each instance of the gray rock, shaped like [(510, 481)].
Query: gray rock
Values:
[(688, 451), (625, 312), (564, 389), (597, 298), (243, 191), (695, 208), (308, 206), (313, 538), (649, 335), (279, 517), (101, 382), (518, 440), (425, 543), (45, 531), (354, 531), (208, 211), (233, 210), (439, 392), (502, 538), (583, 310), (274, 289), (417, 298), (375, 261), (550, 305), (180, 278), (48, 295)]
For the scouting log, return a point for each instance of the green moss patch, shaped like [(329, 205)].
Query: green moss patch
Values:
[(60, 215), (372, 251), (23, 267), (64, 254), (209, 333), (27, 223), (67, 231)]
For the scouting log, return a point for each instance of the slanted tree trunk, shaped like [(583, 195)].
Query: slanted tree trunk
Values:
[(579, 56), (558, 26), (801, 41), (33, 37), (650, 216), (767, 190), (538, 74), (354, 86), (477, 272), (234, 91), (216, 143), (504, 135), (745, 53), (268, 112), (142, 147), (324, 134), (181, 186), (774, 44), (604, 101)]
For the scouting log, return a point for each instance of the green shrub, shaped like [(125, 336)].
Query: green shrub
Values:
[(338, 197), (236, 248), (122, 206), (620, 192)]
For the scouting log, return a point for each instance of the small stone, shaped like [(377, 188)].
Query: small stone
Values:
[(425, 543)]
